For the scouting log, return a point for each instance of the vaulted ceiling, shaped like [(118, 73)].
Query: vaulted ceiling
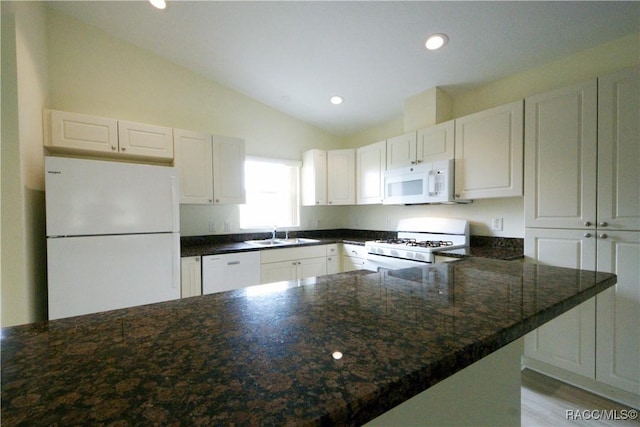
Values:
[(295, 55)]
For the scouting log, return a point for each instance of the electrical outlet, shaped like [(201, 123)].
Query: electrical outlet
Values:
[(227, 226), (212, 226), (497, 224)]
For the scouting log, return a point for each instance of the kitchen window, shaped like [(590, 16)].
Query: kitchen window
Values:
[(273, 193)]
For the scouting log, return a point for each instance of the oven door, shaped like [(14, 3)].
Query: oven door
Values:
[(384, 263)]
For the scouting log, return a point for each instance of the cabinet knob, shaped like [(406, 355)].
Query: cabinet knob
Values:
[(413, 162), (294, 263), (210, 201), (457, 196), (603, 224), (123, 149), (587, 235), (418, 162), (217, 200), (330, 202), (328, 259), (604, 235), (587, 223), (113, 148)]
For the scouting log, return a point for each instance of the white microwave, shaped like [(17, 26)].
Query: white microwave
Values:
[(419, 184)]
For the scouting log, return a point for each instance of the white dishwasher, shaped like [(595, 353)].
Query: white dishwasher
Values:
[(230, 271)]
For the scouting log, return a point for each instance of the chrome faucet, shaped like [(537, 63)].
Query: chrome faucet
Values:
[(273, 233)]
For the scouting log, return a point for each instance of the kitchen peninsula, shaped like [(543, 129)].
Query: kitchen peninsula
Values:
[(334, 350)]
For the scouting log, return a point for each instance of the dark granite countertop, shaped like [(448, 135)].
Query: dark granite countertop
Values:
[(263, 355), (481, 246), (227, 243)]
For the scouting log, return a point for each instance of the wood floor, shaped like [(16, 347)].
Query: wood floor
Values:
[(545, 402)]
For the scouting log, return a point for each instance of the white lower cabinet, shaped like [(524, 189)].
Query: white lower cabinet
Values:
[(353, 257), (293, 263), (190, 276), (568, 341), (618, 313), (230, 271), (333, 259), (595, 345)]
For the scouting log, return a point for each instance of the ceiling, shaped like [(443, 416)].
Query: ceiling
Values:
[(295, 55)]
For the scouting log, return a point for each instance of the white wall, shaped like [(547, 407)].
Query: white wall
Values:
[(24, 95)]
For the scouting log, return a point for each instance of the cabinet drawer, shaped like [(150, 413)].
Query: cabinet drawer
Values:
[(354, 250), (286, 254)]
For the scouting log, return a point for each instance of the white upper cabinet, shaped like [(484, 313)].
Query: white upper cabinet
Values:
[(194, 160), (314, 177), (228, 170), (83, 134), (341, 177), (370, 167), (139, 139), (402, 151), (436, 142), (619, 150), (489, 153), (561, 150), (211, 168)]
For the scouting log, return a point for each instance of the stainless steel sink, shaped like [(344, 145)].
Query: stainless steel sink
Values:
[(281, 242)]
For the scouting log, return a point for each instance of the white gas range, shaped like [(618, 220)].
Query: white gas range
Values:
[(416, 242)]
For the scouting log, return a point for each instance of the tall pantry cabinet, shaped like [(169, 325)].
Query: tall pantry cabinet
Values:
[(582, 210)]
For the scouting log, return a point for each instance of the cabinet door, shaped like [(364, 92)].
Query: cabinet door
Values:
[(489, 153), (228, 170), (436, 142), (619, 150), (401, 151), (314, 178), (80, 132), (370, 166), (191, 277), (567, 341), (618, 313), (312, 267), (142, 140), (194, 160), (341, 177), (560, 158), (279, 271), (333, 259)]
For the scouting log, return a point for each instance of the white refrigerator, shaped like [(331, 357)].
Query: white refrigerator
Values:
[(113, 238)]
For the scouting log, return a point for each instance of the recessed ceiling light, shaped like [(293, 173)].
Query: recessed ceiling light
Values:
[(336, 100), (436, 41), (159, 4)]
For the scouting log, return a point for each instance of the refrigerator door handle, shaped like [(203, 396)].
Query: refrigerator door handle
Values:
[(175, 203)]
